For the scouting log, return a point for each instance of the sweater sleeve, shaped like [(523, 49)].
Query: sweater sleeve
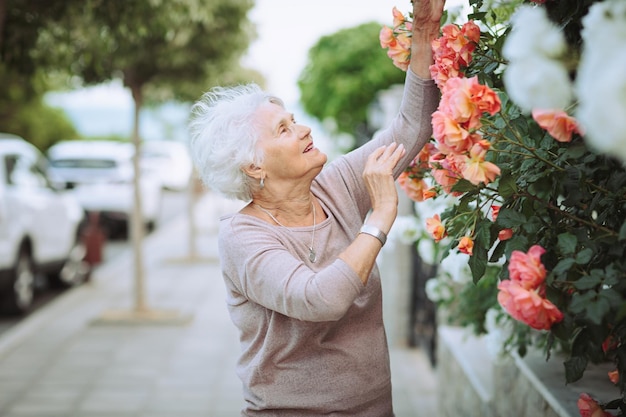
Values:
[(261, 266), (411, 127)]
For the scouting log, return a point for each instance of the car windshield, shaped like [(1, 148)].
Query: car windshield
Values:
[(84, 163)]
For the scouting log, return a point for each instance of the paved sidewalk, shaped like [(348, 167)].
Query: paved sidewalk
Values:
[(64, 361)]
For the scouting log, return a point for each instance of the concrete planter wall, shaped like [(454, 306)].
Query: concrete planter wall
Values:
[(471, 383)]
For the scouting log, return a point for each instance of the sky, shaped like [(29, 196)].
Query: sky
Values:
[(286, 30)]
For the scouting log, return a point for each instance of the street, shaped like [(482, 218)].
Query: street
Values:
[(174, 203)]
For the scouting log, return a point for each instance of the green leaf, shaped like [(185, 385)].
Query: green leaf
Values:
[(463, 186), (580, 301), (622, 232), (584, 256), (587, 282), (597, 308), (478, 263), (612, 297), (498, 252), (567, 243), (563, 266), (574, 368), (507, 185), (510, 218)]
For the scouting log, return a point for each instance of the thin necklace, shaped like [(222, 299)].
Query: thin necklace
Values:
[(312, 254)]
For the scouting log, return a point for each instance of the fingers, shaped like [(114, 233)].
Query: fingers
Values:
[(387, 156)]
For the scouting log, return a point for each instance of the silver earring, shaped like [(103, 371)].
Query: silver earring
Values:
[(262, 183)]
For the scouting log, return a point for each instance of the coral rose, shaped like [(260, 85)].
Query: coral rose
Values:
[(471, 31), (614, 376), (495, 210), (415, 188), (557, 123), (588, 407), (436, 228), (526, 268), (447, 131), (505, 234), (466, 245), (476, 169), (527, 306)]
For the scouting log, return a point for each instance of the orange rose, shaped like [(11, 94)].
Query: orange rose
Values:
[(414, 188), (557, 123), (588, 407), (526, 268), (527, 306), (614, 376), (476, 169), (466, 245), (436, 228)]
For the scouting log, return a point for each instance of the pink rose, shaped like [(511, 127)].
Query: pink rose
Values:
[(557, 123), (527, 306), (526, 268), (495, 210), (588, 407), (386, 37)]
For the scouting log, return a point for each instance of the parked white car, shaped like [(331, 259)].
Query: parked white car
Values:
[(100, 175), (169, 160), (39, 228)]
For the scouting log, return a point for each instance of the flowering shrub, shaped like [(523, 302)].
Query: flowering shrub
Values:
[(527, 168)]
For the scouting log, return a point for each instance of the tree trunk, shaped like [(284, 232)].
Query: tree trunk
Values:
[(137, 221)]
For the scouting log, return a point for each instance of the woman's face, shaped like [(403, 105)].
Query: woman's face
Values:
[(288, 149)]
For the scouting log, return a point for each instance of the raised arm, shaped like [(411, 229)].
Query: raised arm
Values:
[(378, 176)]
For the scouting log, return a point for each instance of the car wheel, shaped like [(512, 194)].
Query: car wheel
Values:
[(75, 270), (20, 299)]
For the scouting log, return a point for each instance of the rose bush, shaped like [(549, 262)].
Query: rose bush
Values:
[(523, 187)]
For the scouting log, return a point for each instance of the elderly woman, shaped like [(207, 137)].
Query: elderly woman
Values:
[(299, 259)]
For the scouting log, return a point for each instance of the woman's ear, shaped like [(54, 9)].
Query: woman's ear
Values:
[(254, 171)]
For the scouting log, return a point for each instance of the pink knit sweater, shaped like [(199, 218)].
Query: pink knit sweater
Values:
[(312, 335)]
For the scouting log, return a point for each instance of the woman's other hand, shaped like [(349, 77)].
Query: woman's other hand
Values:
[(378, 177)]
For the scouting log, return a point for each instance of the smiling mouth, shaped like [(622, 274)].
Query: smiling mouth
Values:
[(308, 148)]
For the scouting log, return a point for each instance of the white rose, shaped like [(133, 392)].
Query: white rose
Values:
[(533, 34), (600, 83), (538, 83)]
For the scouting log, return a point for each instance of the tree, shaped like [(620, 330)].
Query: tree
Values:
[(344, 72), (172, 46), (23, 70)]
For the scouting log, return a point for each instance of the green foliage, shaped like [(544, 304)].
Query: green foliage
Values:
[(160, 49), (40, 124), (345, 70)]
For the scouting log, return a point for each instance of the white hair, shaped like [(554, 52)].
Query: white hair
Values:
[(223, 138)]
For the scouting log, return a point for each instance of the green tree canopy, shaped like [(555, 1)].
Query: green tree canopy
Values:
[(344, 72), (23, 70)]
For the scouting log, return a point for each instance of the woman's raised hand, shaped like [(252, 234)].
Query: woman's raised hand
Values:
[(427, 14)]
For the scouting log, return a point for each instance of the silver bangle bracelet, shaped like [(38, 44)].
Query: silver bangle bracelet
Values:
[(374, 231)]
